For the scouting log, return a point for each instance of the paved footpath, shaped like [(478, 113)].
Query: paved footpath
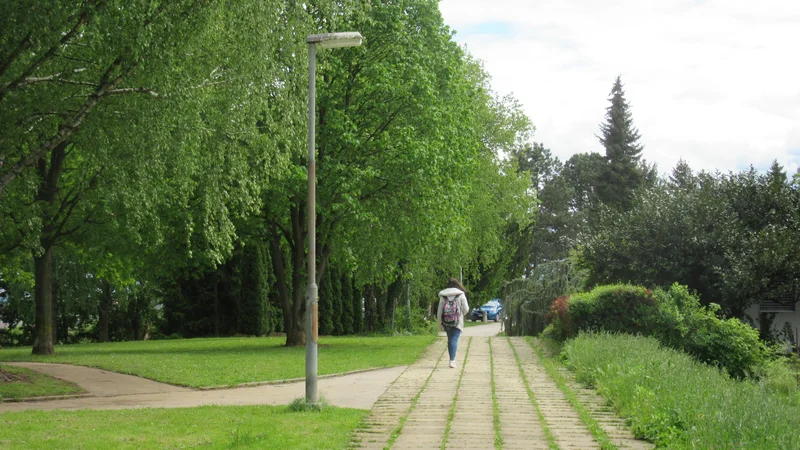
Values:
[(109, 390), (431, 406)]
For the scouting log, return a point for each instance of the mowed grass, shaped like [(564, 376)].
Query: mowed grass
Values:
[(27, 383), (232, 361), (212, 427), (678, 403)]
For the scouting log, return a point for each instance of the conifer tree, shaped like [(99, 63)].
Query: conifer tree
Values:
[(682, 176), (254, 291), (348, 310), (623, 173)]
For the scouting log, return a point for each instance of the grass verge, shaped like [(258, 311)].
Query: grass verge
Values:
[(678, 403), (594, 427), (18, 383), (452, 412), (230, 361), (551, 440), (498, 434), (213, 427)]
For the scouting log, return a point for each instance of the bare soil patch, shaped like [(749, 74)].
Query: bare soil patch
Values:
[(10, 377)]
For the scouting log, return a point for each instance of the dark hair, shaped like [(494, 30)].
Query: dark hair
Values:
[(453, 283)]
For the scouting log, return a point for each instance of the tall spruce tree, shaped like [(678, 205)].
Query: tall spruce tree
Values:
[(682, 176), (623, 173)]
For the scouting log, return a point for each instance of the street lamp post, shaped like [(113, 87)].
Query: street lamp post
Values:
[(328, 40)]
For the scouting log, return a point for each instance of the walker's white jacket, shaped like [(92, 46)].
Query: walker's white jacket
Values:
[(463, 306)]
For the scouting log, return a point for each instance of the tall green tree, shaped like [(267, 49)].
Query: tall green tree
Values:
[(140, 120), (553, 233), (400, 153), (732, 238), (623, 173)]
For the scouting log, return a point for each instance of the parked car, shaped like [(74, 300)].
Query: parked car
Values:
[(493, 310)]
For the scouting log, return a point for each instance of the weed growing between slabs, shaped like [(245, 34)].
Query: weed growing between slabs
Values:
[(551, 367), (230, 361), (551, 440), (212, 427), (18, 383), (414, 401), (452, 412), (498, 435)]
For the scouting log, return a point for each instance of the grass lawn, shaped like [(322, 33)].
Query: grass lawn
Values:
[(212, 427), (231, 361), (16, 382)]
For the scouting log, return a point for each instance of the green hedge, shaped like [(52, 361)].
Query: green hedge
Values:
[(674, 317)]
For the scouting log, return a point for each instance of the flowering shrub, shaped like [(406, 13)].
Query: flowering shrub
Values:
[(559, 310)]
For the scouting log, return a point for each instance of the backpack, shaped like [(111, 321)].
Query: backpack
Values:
[(450, 311)]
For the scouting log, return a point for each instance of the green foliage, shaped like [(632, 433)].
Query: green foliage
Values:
[(622, 174), (526, 301), (176, 142), (678, 403), (614, 308), (700, 331), (731, 238), (674, 317), (326, 310), (255, 313), (348, 319), (551, 236)]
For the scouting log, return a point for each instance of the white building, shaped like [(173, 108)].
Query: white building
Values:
[(784, 306)]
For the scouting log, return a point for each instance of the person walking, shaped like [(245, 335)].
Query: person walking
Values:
[(453, 307)]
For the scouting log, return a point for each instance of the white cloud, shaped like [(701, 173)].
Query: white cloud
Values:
[(716, 83)]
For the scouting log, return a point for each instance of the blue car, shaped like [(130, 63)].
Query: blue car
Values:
[(493, 311)]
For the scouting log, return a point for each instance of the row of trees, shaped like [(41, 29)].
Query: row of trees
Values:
[(152, 155), (731, 237)]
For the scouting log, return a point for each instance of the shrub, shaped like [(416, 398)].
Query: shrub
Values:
[(675, 317), (558, 315), (621, 308), (688, 326)]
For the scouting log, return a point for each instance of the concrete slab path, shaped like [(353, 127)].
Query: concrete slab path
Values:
[(432, 406)]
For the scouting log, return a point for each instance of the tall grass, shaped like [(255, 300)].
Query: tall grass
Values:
[(676, 402)]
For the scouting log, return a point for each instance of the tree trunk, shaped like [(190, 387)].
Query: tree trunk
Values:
[(216, 305), (381, 301), (370, 310), (295, 335), (43, 264), (43, 293), (54, 300), (105, 307), (394, 291), (298, 289)]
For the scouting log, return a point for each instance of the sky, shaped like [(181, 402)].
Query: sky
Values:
[(716, 83)]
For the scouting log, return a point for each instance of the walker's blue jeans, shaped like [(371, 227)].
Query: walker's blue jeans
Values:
[(453, 334)]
